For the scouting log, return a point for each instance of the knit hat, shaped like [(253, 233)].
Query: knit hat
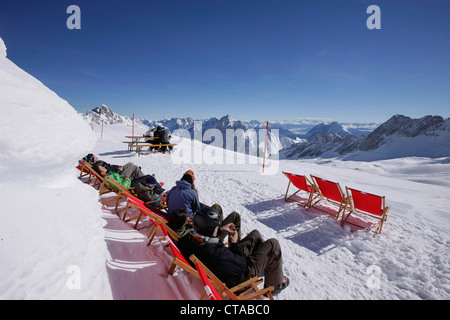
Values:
[(191, 173), (89, 158)]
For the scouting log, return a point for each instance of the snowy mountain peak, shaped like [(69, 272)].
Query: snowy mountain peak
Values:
[(2, 48), (227, 122), (103, 109), (105, 114), (334, 128), (403, 126)]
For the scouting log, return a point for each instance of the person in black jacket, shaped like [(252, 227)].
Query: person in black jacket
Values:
[(164, 136), (241, 260), (129, 169)]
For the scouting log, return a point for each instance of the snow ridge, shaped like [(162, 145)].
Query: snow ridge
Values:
[(2, 48)]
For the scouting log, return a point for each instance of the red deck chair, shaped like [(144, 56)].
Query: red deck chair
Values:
[(139, 205), (247, 290), (368, 204), (84, 171), (87, 170), (178, 258), (302, 183), (330, 191), (210, 291)]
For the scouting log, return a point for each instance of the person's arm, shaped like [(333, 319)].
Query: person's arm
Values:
[(233, 235), (123, 181), (195, 204)]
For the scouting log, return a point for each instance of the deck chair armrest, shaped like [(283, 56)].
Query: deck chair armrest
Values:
[(257, 294), (152, 201), (245, 284), (386, 211)]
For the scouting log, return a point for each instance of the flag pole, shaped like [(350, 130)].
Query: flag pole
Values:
[(265, 147), (132, 132)]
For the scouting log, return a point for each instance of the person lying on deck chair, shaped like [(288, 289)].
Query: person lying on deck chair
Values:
[(241, 260), (147, 188), (182, 225), (129, 169)]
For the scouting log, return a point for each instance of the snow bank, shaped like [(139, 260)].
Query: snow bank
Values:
[(52, 245), (40, 133), (51, 240), (2, 48)]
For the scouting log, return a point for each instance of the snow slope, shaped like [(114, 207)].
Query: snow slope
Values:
[(50, 223), (58, 242), (38, 129), (409, 260)]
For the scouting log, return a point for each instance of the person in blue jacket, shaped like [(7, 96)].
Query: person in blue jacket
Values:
[(184, 196)]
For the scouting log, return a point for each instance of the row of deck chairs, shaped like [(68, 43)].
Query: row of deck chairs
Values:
[(214, 289), (354, 201)]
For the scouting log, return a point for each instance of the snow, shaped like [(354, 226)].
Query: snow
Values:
[(40, 133), (404, 147), (59, 242), (2, 48)]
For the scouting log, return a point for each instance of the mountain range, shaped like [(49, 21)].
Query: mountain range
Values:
[(400, 136)]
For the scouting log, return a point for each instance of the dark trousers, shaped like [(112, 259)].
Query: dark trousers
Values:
[(149, 181), (131, 171), (234, 218), (263, 258)]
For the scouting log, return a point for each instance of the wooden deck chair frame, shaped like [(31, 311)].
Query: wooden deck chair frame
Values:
[(247, 290), (99, 181), (105, 184), (88, 170), (335, 196), (114, 186), (172, 234), (209, 290), (302, 183), (153, 230), (155, 219), (134, 202), (178, 258), (367, 204), (84, 171)]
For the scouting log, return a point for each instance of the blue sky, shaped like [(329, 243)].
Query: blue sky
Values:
[(252, 59)]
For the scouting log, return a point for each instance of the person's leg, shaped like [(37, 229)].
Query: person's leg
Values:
[(216, 207), (251, 242), (132, 171), (266, 260)]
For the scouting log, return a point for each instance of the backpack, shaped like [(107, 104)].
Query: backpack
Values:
[(164, 137), (147, 194)]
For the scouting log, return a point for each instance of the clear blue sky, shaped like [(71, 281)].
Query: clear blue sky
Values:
[(252, 59)]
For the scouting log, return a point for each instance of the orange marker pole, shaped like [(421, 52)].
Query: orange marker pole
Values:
[(265, 147), (132, 132)]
